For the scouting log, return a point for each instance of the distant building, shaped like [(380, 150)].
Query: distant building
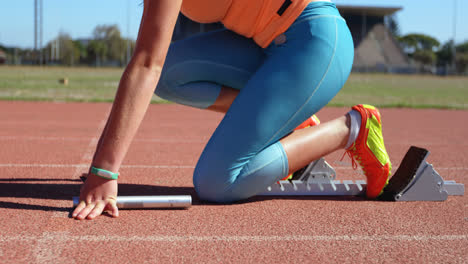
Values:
[(375, 47)]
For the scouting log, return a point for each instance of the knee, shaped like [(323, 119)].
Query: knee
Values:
[(208, 193), (169, 88), (211, 191), (169, 82), (210, 186), (163, 89)]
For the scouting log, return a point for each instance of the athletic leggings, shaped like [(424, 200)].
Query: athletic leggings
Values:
[(280, 87)]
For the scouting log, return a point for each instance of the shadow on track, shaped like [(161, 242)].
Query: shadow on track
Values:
[(65, 189)]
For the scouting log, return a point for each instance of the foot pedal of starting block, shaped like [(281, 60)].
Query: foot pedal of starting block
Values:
[(317, 171), (417, 180)]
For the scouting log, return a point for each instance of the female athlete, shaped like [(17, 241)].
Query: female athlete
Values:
[(276, 63)]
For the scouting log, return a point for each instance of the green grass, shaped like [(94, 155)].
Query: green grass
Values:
[(415, 91), (99, 85), (86, 84)]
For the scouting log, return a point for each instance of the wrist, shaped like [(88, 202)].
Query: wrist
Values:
[(105, 174)]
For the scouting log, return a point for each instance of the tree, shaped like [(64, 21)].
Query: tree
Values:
[(12, 54), (97, 49), (461, 60), (82, 51), (3, 57), (419, 42), (462, 48), (107, 44), (393, 25), (426, 57), (69, 51), (421, 48), (445, 54)]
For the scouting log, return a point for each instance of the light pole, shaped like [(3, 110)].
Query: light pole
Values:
[(35, 28), (454, 50), (128, 31), (38, 18)]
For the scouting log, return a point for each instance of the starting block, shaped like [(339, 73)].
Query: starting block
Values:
[(414, 180)]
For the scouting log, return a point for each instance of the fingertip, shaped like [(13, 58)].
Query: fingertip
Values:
[(75, 213), (90, 217), (79, 208), (79, 217), (115, 211)]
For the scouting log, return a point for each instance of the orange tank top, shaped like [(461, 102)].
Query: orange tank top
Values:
[(262, 20)]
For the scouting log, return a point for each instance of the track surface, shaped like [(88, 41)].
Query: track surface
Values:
[(46, 146)]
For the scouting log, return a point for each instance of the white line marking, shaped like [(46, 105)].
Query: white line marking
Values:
[(436, 168), (162, 140), (44, 165), (89, 151), (80, 166), (45, 138), (158, 166), (186, 140), (34, 165), (49, 247), (58, 214), (101, 238), (175, 140)]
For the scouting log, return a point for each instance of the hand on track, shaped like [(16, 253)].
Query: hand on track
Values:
[(97, 195)]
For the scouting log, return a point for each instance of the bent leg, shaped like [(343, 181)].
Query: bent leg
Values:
[(297, 79), (196, 68)]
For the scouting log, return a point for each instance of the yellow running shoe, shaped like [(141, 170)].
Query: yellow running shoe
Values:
[(311, 121), (369, 151)]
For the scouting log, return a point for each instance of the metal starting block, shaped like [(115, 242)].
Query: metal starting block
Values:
[(414, 180), (318, 171)]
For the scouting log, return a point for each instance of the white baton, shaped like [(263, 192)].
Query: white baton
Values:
[(158, 201)]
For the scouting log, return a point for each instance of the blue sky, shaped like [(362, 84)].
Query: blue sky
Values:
[(78, 18)]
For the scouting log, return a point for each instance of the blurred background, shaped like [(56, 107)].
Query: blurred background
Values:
[(407, 53), (390, 36)]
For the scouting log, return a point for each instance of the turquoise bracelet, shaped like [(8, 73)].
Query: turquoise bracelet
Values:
[(109, 175)]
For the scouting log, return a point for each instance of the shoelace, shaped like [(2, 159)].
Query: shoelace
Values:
[(355, 160), (354, 164)]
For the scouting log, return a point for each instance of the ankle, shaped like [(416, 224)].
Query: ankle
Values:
[(354, 127)]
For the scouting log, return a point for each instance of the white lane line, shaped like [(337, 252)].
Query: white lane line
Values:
[(163, 140), (44, 138), (158, 166), (173, 140), (44, 165), (49, 248), (79, 166), (89, 151), (436, 168), (190, 140), (104, 238)]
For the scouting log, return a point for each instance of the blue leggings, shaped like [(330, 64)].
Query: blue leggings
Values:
[(280, 87)]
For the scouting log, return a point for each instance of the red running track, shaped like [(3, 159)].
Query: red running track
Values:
[(46, 146)]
